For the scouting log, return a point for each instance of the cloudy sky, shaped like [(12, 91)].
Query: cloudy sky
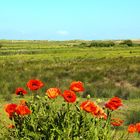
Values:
[(69, 19)]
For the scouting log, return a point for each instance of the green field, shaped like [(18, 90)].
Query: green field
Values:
[(105, 71)]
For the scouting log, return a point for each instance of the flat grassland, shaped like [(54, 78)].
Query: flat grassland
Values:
[(105, 71)]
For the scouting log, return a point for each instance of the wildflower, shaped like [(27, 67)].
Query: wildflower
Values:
[(34, 84), (131, 128), (138, 127), (53, 92), (20, 91), (22, 110), (77, 86), (10, 109), (116, 122), (88, 106), (69, 96), (99, 113), (113, 103)]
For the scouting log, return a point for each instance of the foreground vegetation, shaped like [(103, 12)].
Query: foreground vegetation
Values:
[(49, 117), (106, 71)]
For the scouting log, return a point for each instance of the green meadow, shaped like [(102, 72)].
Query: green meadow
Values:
[(105, 71)]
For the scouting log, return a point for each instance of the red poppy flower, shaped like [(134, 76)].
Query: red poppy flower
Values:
[(99, 113), (131, 128), (89, 106), (138, 127), (53, 92), (20, 91), (34, 84), (69, 96), (77, 86), (116, 122), (10, 109), (113, 103), (23, 110)]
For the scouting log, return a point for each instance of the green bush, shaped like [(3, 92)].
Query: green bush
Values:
[(102, 44), (127, 42), (64, 121), (51, 118), (83, 45)]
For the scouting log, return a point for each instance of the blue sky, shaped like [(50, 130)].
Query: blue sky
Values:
[(69, 19)]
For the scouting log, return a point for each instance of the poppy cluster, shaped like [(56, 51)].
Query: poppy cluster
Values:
[(10, 109), (94, 109), (13, 109), (134, 128), (68, 95), (33, 84), (114, 103)]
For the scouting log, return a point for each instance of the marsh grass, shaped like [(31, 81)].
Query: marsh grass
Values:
[(106, 71)]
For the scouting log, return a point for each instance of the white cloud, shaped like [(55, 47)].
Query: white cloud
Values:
[(62, 32)]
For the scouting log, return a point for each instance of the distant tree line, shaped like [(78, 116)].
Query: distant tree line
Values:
[(124, 43), (77, 43), (101, 44)]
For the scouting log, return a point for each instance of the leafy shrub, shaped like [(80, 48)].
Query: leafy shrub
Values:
[(102, 44), (127, 42), (83, 45), (49, 117)]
